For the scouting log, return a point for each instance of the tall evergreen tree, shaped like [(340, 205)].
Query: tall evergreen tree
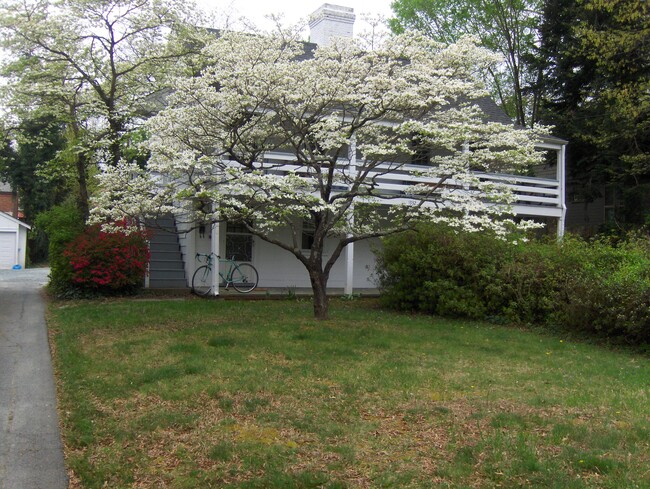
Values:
[(597, 79), (41, 139)]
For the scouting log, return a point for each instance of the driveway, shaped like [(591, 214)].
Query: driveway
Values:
[(31, 454)]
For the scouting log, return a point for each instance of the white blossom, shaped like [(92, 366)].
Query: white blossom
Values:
[(218, 147)]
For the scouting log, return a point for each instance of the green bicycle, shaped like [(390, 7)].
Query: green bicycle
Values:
[(243, 276)]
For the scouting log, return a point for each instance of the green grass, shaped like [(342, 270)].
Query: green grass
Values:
[(226, 394)]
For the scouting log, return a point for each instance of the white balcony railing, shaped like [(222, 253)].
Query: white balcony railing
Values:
[(534, 196)]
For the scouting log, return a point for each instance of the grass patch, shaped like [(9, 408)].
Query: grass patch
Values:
[(259, 394)]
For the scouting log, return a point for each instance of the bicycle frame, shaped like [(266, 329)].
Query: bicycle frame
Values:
[(210, 262), (243, 276), (227, 280)]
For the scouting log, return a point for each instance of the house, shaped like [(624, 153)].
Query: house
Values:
[(608, 206), (539, 197), (13, 241), (13, 233), (8, 200)]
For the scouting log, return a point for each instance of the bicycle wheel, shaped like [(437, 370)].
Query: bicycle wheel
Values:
[(244, 277), (202, 281)]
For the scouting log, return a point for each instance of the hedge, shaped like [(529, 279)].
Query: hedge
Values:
[(601, 287)]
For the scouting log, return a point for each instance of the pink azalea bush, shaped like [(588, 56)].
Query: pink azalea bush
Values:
[(108, 261)]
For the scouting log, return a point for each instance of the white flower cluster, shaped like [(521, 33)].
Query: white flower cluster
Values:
[(215, 147)]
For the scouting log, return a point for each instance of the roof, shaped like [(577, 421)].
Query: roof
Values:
[(493, 112), (4, 215), (555, 140)]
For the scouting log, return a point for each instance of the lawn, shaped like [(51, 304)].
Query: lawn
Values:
[(200, 393)]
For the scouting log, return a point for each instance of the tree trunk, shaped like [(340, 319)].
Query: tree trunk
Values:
[(319, 287), (114, 148), (82, 165)]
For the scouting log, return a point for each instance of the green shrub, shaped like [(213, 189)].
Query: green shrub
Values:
[(62, 224), (600, 287), (438, 271), (609, 294)]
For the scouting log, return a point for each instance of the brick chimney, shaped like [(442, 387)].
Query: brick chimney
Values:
[(330, 21)]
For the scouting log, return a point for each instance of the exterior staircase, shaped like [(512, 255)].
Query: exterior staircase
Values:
[(166, 266)]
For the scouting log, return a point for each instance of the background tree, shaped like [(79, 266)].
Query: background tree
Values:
[(255, 97), (36, 91), (598, 95), (40, 142), (508, 27), (98, 66)]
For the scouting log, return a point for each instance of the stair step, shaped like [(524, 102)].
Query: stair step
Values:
[(156, 267), (160, 222), (166, 266), (165, 251), (168, 247), (167, 284), (160, 272), (161, 255), (164, 238), (161, 258)]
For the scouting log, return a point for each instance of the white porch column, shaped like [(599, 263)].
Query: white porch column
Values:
[(349, 249), (561, 177), (214, 248), (349, 269), (190, 256)]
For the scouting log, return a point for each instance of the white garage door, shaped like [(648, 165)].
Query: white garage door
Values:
[(7, 249)]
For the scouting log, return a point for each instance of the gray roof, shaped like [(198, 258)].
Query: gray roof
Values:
[(555, 140), (5, 187), (493, 112)]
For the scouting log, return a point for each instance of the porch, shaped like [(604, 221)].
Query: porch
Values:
[(538, 196)]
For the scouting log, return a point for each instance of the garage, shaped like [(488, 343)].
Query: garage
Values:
[(13, 241)]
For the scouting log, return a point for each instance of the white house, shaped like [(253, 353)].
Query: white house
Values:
[(539, 197), (13, 241)]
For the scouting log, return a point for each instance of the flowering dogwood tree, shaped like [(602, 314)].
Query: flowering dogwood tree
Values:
[(345, 116), (93, 66)]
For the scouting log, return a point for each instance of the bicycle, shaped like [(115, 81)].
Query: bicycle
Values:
[(243, 276)]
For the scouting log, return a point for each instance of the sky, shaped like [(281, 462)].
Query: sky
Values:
[(293, 10)]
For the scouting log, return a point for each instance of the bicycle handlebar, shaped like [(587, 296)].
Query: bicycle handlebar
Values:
[(208, 256)]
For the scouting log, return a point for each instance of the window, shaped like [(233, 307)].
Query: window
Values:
[(421, 154), (239, 242), (308, 228), (612, 205)]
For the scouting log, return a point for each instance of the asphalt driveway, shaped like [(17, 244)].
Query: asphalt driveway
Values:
[(31, 454)]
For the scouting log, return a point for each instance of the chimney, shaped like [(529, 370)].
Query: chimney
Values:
[(330, 21)]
